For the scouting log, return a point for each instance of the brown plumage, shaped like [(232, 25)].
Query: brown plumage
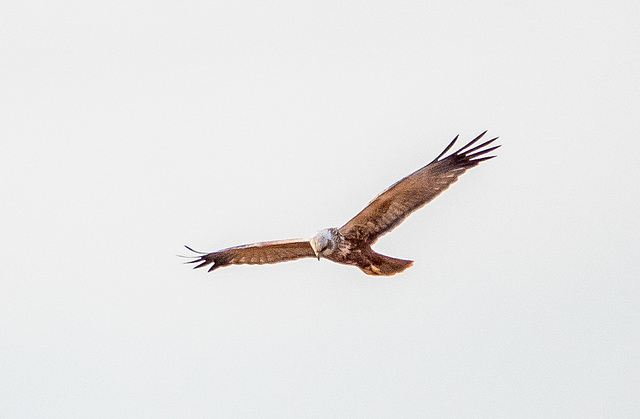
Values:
[(351, 243)]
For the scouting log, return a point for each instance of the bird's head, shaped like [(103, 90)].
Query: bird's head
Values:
[(322, 243)]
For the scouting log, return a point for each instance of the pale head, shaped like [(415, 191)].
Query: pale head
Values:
[(323, 242)]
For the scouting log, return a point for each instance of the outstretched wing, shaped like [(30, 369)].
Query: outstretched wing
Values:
[(397, 202), (255, 254)]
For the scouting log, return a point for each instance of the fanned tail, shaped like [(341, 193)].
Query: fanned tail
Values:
[(381, 265)]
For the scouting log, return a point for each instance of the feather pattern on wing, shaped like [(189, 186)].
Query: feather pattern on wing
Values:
[(402, 198), (255, 253)]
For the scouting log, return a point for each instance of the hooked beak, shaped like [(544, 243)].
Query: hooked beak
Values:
[(313, 246)]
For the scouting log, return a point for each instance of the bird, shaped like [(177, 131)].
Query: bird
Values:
[(351, 243)]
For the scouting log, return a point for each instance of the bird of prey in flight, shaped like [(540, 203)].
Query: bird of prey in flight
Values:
[(351, 243)]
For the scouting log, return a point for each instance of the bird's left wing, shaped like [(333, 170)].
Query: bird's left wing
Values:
[(255, 254), (397, 202)]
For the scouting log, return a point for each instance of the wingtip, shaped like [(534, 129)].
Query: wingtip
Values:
[(195, 251), (481, 159), (447, 148), (472, 157), (470, 143), (204, 263), (481, 135), (469, 152)]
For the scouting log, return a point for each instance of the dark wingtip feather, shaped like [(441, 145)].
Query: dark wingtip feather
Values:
[(476, 161), (447, 148), (194, 259), (486, 143), (472, 142), (204, 263), (195, 251), (205, 259), (481, 152)]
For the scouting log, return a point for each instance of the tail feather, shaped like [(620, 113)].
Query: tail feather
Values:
[(384, 265)]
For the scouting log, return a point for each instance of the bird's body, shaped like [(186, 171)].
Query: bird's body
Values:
[(351, 243), (351, 250)]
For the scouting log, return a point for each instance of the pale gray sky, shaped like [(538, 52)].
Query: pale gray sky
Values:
[(130, 128)]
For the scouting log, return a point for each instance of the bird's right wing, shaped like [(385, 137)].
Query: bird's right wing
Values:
[(255, 254), (397, 202)]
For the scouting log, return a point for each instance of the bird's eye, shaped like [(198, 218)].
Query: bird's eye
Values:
[(324, 248)]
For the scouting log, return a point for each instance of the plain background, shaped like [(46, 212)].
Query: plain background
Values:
[(130, 128)]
